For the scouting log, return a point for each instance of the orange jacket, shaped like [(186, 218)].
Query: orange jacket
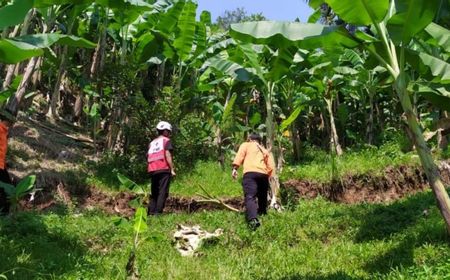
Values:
[(3, 144), (255, 158)]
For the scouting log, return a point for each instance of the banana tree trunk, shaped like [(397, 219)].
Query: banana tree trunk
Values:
[(430, 168), (280, 159), (78, 108), (218, 140), (37, 75), (100, 48), (442, 137), (9, 76), (369, 131), (270, 125), (379, 115), (334, 138), (53, 110), (270, 130), (12, 68), (123, 49), (114, 128), (13, 104), (295, 137), (159, 81)]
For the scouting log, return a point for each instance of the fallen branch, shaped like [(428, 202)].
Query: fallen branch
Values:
[(80, 139), (208, 198), (217, 201)]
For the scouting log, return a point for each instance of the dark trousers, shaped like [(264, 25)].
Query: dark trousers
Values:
[(256, 186), (4, 203), (160, 192)]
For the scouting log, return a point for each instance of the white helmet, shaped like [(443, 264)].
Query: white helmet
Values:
[(164, 126)]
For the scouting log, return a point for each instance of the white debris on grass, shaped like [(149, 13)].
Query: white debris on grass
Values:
[(189, 238)]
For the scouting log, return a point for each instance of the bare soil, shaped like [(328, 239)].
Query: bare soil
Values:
[(118, 204), (394, 184)]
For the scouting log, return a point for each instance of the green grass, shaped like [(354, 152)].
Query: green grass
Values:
[(371, 160), (211, 177), (208, 175), (317, 240), (316, 167), (218, 182)]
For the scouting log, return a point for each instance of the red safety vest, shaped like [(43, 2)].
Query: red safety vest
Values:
[(156, 155)]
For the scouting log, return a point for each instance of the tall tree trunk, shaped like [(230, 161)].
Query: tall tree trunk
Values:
[(430, 168)]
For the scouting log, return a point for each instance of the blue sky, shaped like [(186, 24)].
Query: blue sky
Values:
[(285, 10)]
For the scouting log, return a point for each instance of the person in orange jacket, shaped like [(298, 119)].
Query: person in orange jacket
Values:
[(258, 167), (6, 121)]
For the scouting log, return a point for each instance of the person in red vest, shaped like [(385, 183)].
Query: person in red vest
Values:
[(6, 121), (160, 167)]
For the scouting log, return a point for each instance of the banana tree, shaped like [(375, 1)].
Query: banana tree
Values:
[(66, 16), (326, 80), (395, 25), (16, 49), (249, 58), (291, 102), (174, 36), (226, 75)]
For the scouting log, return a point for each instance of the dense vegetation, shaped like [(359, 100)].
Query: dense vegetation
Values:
[(362, 86)]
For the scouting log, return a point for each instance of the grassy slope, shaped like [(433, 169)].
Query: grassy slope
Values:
[(316, 240), (209, 175)]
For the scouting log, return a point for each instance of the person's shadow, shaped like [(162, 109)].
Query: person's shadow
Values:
[(30, 249), (410, 221)]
